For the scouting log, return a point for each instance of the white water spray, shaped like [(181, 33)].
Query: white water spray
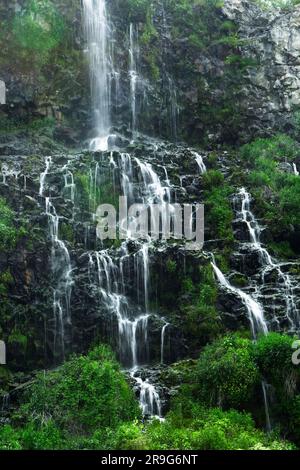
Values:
[(97, 33)]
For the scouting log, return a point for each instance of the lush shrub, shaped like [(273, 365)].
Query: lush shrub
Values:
[(276, 191), (226, 373), (219, 215), (209, 429), (277, 148), (201, 318), (85, 394), (290, 415), (8, 233), (273, 356), (39, 27), (9, 438)]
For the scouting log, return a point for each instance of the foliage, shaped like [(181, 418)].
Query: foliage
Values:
[(38, 28), (226, 373), (9, 438), (201, 319), (219, 215), (9, 233), (190, 426), (89, 195), (84, 394), (14, 126), (273, 356), (276, 148), (276, 190)]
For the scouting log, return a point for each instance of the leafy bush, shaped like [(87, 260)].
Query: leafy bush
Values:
[(39, 27), (210, 429), (201, 319), (273, 356), (277, 148), (84, 394), (219, 215), (276, 191), (9, 234), (226, 373)]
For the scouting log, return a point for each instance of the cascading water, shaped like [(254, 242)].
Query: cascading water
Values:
[(163, 341), (133, 74), (108, 277), (108, 271), (268, 264), (199, 161), (254, 309), (149, 398), (97, 33), (242, 203), (296, 172), (62, 273)]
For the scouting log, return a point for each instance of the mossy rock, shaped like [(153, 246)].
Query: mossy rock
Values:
[(239, 280)]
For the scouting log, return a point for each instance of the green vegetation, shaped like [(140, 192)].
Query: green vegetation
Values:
[(219, 215), (87, 404), (226, 373), (190, 426), (13, 126), (33, 33), (39, 28), (86, 393), (276, 190), (89, 196), (84, 401), (9, 233), (198, 310)]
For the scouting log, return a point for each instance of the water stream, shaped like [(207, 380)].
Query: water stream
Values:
[(97, 32)]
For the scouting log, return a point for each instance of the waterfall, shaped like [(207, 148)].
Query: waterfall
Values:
[(97, 31), (254, 309), (162, 342), (296, 172), (105, 274), (62, 272), (69, 184), (149, 398), (267, 262), (133, 75), (266, 403), (5, 403), (48, 162), (257, 322), (199, 161), (107, 271)]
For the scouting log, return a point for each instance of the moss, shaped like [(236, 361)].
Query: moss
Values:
[(6, 279), (171, 266), (199, 315), (10, 233), (282, 249), (239, 280), (179, 373), (66, 232), (219, 214), (276, 191), (19, 339)]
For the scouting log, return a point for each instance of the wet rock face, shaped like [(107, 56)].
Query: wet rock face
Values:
[(183, 89), (54, 198), (272, 38)]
